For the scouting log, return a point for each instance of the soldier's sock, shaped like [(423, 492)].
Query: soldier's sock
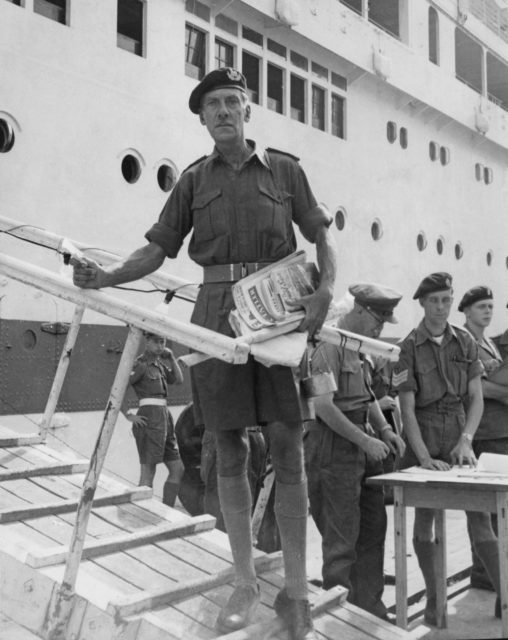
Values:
[(236, 505), (170, 492), (291, 511)]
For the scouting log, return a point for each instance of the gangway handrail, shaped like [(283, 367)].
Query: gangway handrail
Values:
[(161, 279)]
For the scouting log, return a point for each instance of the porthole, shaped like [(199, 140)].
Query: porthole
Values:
[(166, 177), (29, 340), (433, 150), (440, 246), (131, 168), (340, 218), (459, 251), (478, 171), (444, 155), (376, 230), (403, 137), (506, 262), (421, 241), (489, 257), (7, 136), (391, 132), (488, 175)]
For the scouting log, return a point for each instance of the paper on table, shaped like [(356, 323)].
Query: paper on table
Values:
[(493, 462)]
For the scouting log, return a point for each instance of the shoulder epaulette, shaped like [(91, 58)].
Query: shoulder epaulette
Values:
[(460, 328), (283, 153), (194, 163)]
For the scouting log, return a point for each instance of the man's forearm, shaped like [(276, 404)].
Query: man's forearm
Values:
[(326, 254), (140, 263)]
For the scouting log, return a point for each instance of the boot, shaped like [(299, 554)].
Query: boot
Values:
[(426, 553), (296, 615), (488, 553), (239, 609)]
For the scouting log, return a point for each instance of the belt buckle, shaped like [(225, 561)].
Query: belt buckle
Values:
[(243, 270)]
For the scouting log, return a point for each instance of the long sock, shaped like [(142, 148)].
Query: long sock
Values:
[(426, 554), (291, 511), (170, 492), (488, 552), (236, 505)]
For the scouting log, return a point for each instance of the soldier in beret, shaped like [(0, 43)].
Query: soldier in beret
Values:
[(492, 433), (438, 377), (344, 446), (240, 203)]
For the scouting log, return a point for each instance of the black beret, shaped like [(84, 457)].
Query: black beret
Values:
[(225, 77), (377, 298), (439, 281), (474, 295)]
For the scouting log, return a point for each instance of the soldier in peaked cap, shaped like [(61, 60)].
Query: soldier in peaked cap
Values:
[(345, 445), (240, 203), (492, 433), (438, 378)]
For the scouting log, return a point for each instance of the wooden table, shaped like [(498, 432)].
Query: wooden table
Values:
[(463, 489)]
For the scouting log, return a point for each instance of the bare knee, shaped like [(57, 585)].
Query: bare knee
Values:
[(176, 470), (232, 452), (147, 475), (286, 451)]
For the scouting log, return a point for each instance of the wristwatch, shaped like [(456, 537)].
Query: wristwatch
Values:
[(468, 437)]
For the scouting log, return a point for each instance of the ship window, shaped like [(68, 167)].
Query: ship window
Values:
[(29, 340), (299, 61), (318, 107), (252, 36), (433, 150), (250, 69), (385, 14), (224, 54), (53, 9), (444, 155), (338, 116), (277, 48), (468, 60), (319, 71), (198, 9), (391, 131), (433, 36), (130, 18), (488, 175), (340, 218), (226, 24), (16, 2), (275, 89), (478, 171), (131, 168), (421, 241), (497, 81), (7, 136), (459, 251), (166, 177), (297, 98), (440, 246), (195, 41), (355, 5), (489, 258), (403, 137), (339, 81), (376, 229)]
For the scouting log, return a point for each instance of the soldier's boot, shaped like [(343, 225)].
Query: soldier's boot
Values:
[(426, 553)]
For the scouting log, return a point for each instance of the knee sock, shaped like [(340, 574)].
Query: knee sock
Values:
[(291, 511), (236, 505), (170, 492)]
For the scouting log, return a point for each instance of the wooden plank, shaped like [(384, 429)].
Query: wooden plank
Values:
[(367, 622), (54, 469), (327, 599), (400, 543), (441, 590), (18, 441), (121, 542), (502, 523), (123, 607), (64, 506)]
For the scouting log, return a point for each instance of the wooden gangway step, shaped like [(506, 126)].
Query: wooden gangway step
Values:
[(9, 438)]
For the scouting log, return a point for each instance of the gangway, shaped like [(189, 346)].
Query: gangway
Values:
[(172, 572)]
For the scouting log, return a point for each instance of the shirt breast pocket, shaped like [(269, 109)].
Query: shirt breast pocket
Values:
[(353, 383), (209, 216), (274, 212), (428, 376), (459, 367)]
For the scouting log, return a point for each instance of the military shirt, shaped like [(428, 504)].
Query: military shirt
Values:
[(437, 372), (352, 375), (494, 422), (501, 342), (151, 379)]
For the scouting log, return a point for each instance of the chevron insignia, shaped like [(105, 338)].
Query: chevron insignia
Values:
[(399, 378)]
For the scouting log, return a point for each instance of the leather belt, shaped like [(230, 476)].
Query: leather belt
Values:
[(357, 416), (160, 402), (451, 406), (230, 272)]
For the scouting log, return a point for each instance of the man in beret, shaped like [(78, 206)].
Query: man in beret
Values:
[(240, 203), (345, 445), (492, 433), (438, 378)]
